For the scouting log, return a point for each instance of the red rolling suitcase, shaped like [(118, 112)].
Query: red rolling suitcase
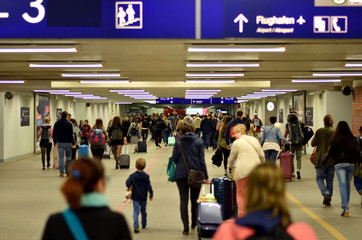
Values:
[(286, 159)]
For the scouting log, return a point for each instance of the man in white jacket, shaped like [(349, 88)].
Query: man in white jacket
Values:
[(245, 155)]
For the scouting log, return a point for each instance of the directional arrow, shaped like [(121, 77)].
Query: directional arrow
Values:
[(241, 19)]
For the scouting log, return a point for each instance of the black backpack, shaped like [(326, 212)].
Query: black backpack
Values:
[(45, 133), (134, 129), (295, 133), (161, 124), (116, 134), (307, 133)]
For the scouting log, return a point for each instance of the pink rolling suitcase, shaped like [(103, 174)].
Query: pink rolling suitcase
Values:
[(286, 159)]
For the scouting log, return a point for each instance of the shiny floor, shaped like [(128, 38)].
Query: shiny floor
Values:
[(29, 195)]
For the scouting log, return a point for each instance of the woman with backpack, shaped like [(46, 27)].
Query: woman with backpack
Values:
[(134, 131), (77, 135), (267, 214), (45, 133), (117, 135), (97, 139), (167, 131)]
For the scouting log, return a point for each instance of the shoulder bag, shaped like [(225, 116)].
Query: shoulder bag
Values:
[(195, 178), (74, 225), (313, 155), (266, 136)]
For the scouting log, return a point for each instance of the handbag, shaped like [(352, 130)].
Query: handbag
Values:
[(313, 155), (217, 158), (195, 177), (171, 170)]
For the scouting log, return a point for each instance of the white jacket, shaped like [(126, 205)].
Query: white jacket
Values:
[(247, 153)]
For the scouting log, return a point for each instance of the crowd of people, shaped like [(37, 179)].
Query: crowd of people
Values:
[(249, 152)]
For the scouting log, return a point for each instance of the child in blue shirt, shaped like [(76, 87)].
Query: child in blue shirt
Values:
[(141, 184)]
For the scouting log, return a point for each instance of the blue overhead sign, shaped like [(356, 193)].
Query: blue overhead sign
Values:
[(291, 19), (97, 19)]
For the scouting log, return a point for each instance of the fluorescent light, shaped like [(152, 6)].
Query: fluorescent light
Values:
[(53, 91), (210, 81), (38, 50), (4, 15), (266, 93), (336, 74), (135, 93), (105, 81), (150, 101), (236, 65), (316, 80), (91, 75), (196, 97), (260, 49), (95, 97), (241, 101), (202, 90), (214, 75), (83, 95), (75, 65), (353, 65), (123, 102), (279, 90), (12, 82), (74, 93), (145, 97), (127, 91)]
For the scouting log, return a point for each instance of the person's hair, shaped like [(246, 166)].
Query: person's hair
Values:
[(86, 121), (188, 119), (116, 121), (342, 138), (80, 121), (226, 122), (72, 120), (239, 114), (239, 128), (98, 124), (140, 164), (47, 120), (209, 115), (266, 191), (136, 120), (165, 118), (64, 115), (126, 119), (186, 127), (84, 175), (328, 120), (273, 119)]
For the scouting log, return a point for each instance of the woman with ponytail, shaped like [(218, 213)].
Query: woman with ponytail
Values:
[(88, 215)]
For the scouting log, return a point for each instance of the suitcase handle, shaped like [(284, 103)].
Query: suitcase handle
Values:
[(124, 148)]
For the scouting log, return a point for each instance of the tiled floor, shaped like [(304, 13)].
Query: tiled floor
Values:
[(29, 195)]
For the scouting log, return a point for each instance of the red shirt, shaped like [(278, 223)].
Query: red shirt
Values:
[(85, 131)]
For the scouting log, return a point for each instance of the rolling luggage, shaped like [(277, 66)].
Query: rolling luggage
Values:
[(124, 159), (225, 194), (107, 152), (142, 146), (286, 159), (83, 151), (209, 216)]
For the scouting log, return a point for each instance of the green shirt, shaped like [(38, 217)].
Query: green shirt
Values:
[(321, 141)]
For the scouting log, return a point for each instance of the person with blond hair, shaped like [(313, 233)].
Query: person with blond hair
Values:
[(84, 192), (245, 155), (45, 133), (267, 212)]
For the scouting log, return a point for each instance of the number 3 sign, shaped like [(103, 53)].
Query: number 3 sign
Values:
[(41, 12)]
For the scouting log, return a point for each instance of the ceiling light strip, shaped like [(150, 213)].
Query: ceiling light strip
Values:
[(337, 74), (95, 65), (256, 49), (91, 75), (210, 81), (11, 82), (279, 90), (214, 75), (353, 65), (38, 50), (123, 103), (316, 80), (105, 81), (223, 65)]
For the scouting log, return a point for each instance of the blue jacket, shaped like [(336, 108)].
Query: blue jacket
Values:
[(206, 126), (231, 124), (193, 149), (63, 132), (141, 185), (272, 134)]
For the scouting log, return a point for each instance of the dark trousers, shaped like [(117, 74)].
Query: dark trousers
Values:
[(184, 190), (158, 136), (46, 149), (85, 141), (74, 153), (97, 153), (144, 134), (226, 153)]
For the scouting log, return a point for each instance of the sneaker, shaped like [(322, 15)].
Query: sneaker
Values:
[(327, 200), (136, 230), (298, 175), (61, 175), (345, 213)]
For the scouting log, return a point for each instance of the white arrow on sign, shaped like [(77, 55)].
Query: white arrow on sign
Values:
[(241, 19)]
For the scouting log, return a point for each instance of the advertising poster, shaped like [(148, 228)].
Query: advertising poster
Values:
[(281, 115), (42, 108), (299, 105), (309, 116), (24, 116), (59, 113)]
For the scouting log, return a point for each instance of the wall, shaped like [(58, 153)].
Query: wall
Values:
[(17, 141), (357, 110)]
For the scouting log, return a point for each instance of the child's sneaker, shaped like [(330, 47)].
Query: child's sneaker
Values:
[(136, 230)]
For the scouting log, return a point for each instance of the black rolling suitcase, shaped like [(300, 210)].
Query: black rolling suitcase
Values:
[(142, 146), (225, 194), (124, 159)]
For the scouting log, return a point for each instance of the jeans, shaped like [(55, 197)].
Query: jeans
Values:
[(67, 147), (166, 134), (325, 173), (184, 190), (344, 173), (206, 139), (297, 150), (358, 185), (271, 155), (136, 211)]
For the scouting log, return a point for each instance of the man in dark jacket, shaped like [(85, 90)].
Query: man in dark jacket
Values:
[(206, 128), (63, 138), (237, 120)]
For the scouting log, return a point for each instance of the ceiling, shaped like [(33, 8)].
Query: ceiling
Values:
[(159, 66)]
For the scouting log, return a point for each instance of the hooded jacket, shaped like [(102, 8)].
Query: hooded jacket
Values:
[(193, 149)]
